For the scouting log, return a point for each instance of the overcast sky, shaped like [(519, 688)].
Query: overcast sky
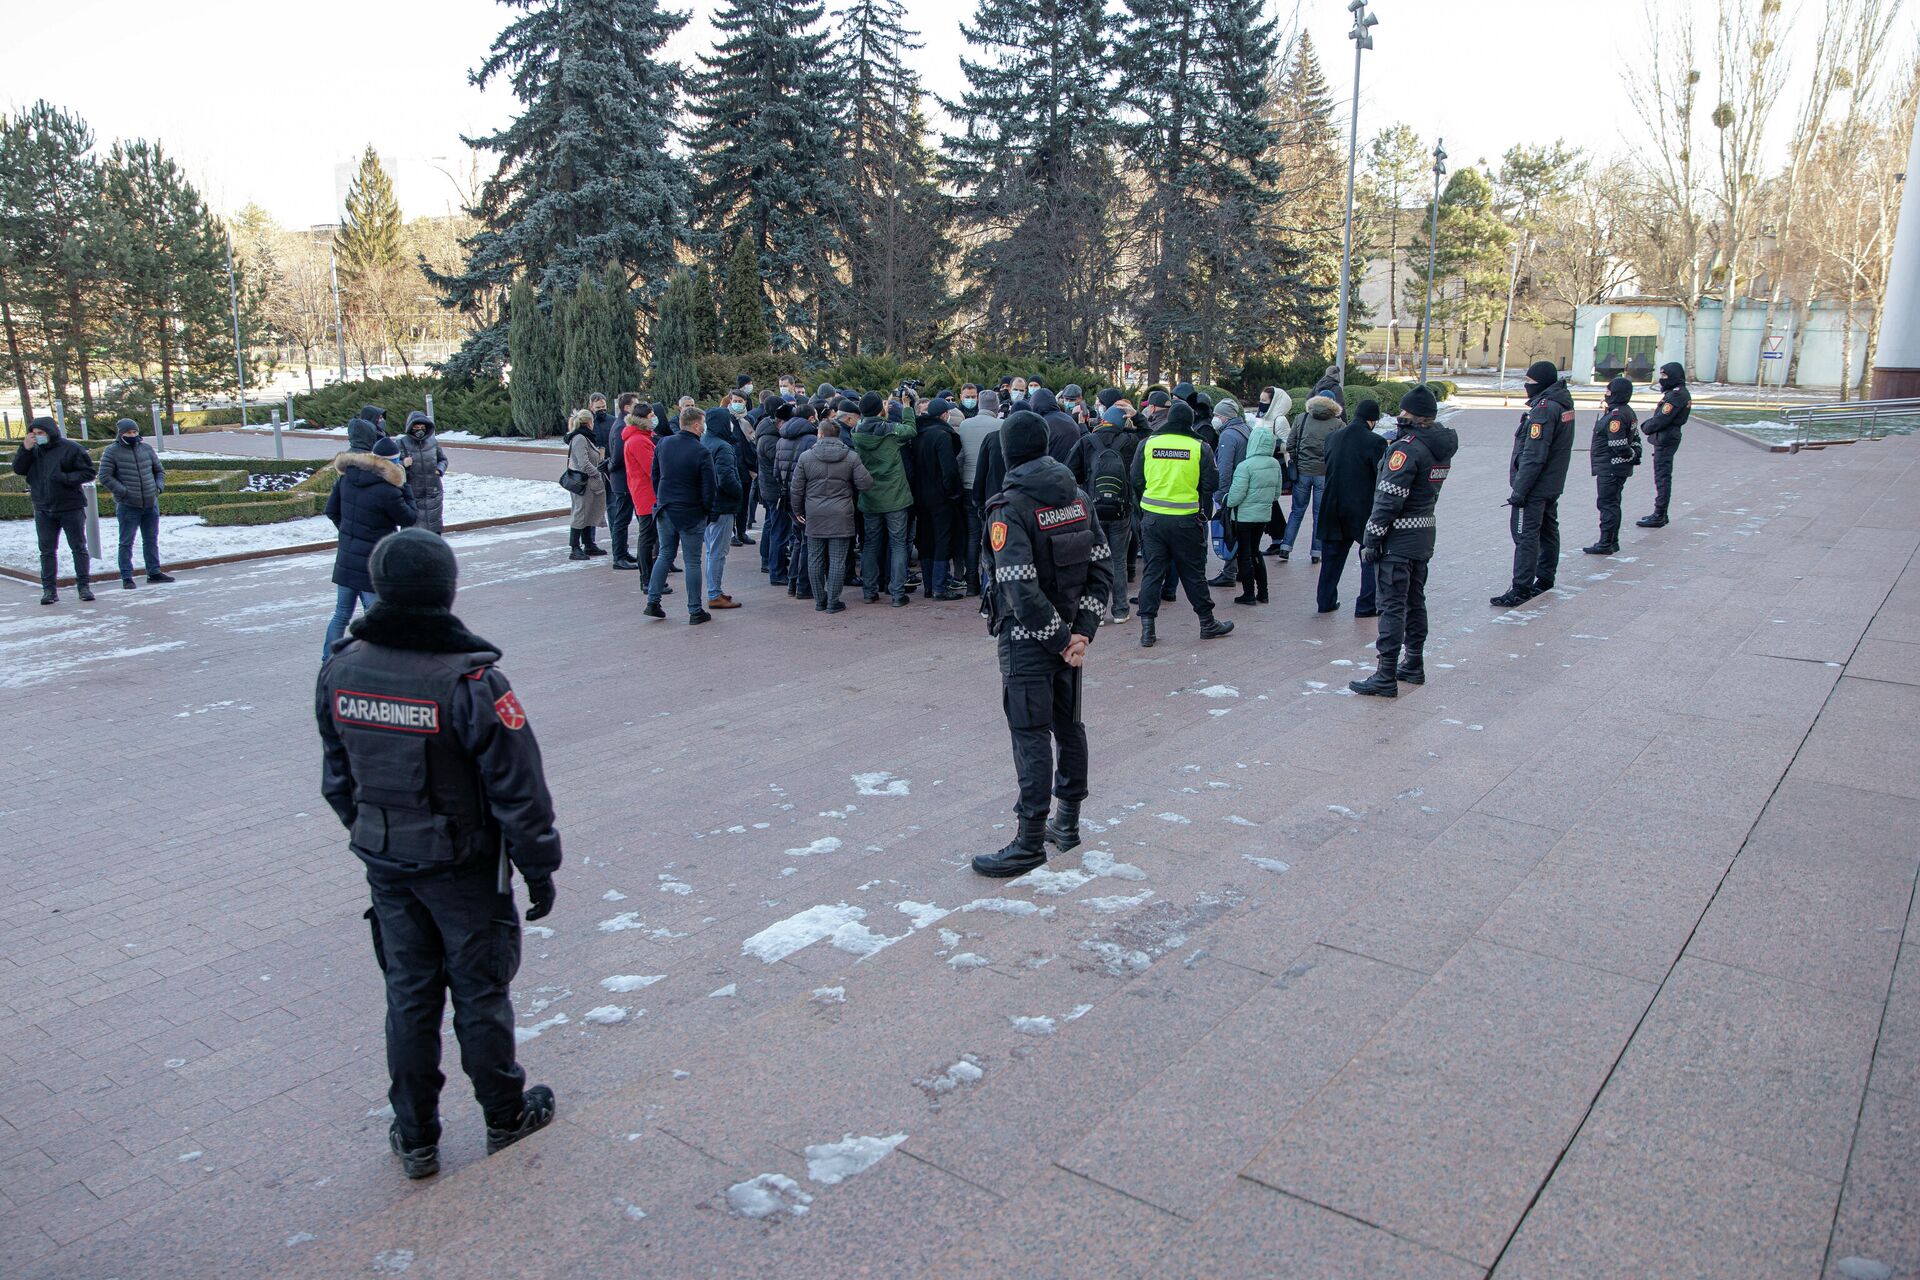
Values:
[(262, 102)]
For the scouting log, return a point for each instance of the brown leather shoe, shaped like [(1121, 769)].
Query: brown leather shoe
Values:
[(721, 602)]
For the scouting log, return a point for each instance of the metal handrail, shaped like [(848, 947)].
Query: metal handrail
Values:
[(1868, 412)]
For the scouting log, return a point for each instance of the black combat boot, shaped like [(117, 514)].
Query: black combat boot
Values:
[(419, 1162), (590, 544), (1147, 638), (1602, 548), (621, 560), (85, 591), (1211, 628), (1511, 599), (1412, 667), (536, 1113), (1657, 520), (1380, 684), (575, 550), (1063, 831), (49, 596), (1027, 850)]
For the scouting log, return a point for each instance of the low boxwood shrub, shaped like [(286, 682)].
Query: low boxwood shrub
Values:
[(269, 510)]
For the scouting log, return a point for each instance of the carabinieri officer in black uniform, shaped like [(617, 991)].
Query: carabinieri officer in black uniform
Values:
[(1613, 453), (1050, 575), (431, 764), (1399, 539)]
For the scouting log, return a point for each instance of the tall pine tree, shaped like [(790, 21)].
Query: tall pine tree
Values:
[(373, 274), (896, 237), (1305, 220), (539, 405), (597, 339), (1034, 174), (746, 331), (764, 146), (169, 260), (586, 176), (675, 371), (706, 312)]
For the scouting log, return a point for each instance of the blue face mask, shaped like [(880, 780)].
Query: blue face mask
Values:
[(968, 402)]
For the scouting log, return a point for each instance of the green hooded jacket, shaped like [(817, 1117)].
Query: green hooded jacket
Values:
[(880, 444), (1256, 481)]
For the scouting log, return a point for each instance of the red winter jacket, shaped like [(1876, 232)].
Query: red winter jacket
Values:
[(637, 447)]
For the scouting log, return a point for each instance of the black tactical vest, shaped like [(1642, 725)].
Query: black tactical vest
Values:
[(417, 790), (1062, 541)]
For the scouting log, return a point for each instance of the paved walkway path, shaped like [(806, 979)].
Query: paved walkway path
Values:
[(1593, 957), (524, 462)]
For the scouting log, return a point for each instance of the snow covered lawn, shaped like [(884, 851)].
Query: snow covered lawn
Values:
[(446, 437), (469, 497)]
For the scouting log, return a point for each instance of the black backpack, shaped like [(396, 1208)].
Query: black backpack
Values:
[(1108, 482)]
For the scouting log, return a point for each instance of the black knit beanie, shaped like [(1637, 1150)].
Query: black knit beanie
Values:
[(1420, 402), (1023, 437), (413, 569)]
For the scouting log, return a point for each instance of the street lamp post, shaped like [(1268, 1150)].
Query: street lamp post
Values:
[(1362, 37), (1433, 253), (333, 275), (239, 355)]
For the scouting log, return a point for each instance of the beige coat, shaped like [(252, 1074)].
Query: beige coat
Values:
[(589, 508)]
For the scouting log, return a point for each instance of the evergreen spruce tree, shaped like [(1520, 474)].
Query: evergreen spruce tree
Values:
[(675, 371), (1032, 167), (1469, 262), (746, 332), (596, 339), (896, 239), (539, 408), (369, 246), (764, 146), (1396, 170), (586, 176), (1305, 221), (169, 261), (55, 296), (706, 312)]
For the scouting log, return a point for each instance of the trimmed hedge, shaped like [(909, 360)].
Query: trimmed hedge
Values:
[(269, 510)]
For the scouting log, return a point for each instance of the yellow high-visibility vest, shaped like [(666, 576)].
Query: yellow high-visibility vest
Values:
[(1172, 475)]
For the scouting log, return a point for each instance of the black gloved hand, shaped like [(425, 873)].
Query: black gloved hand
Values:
[(1369, 553), (540, 895)]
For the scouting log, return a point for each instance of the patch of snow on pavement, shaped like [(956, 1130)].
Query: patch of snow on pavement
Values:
[(779, 940), (921, 914), (880, 784), (1052, 883), (1266, 864), (523, 1034), (829, 1163), (1102, 863), (1108, 906), (966, 1071), (966, 960), (825, 844), (1007, 907), (622, 982), (768, 1196), (606, 1015), (1034, 1026), (1177, 819), (1219, 691)]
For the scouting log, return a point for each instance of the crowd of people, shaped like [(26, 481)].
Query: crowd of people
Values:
[(886, 492)]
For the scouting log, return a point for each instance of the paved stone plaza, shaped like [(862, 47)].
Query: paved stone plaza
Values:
[(1594, 957)]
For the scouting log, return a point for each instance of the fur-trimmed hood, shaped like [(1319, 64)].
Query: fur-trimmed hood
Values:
[(384, 468)]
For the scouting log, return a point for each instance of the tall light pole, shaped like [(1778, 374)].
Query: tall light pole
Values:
[(333, 272), (1362, 37), (239, 355), (1433, 253)]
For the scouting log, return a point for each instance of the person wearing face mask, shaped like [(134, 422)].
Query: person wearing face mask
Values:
[(1537, 475), (981, 423), (426, 462), (1018, 390), (1612, 455), (1063, 433), (57, 472), (1663, 429), (1174, 481), (1230, 438), (746, 461), (131, 471), (969, 400)]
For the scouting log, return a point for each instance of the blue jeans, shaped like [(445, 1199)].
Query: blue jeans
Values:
[(687, 542), (1307, 489), (719, 538), (891, 525), (344, 599), (145, 521)]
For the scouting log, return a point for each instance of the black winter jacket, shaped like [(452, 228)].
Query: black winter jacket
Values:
[(55, 471), (936, 465), (369, 501), (1615, 444), (132, 473), (1353, 456), (1542, 447), (1676, 406), (1415, 466)]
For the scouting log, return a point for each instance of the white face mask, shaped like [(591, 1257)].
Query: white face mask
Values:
[(747, 390)]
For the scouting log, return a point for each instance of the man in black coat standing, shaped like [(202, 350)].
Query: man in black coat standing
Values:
[(1353, 454), (1537, 475), (57, 472), (684, 496), (1613, 453)]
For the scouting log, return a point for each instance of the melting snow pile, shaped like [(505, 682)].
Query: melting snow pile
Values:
[(880, 784), (834, 1162), (606, 1015), (768, 1196), (630, 981)]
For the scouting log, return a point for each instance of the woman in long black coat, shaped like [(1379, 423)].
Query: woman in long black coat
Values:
[(1353, 461)]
